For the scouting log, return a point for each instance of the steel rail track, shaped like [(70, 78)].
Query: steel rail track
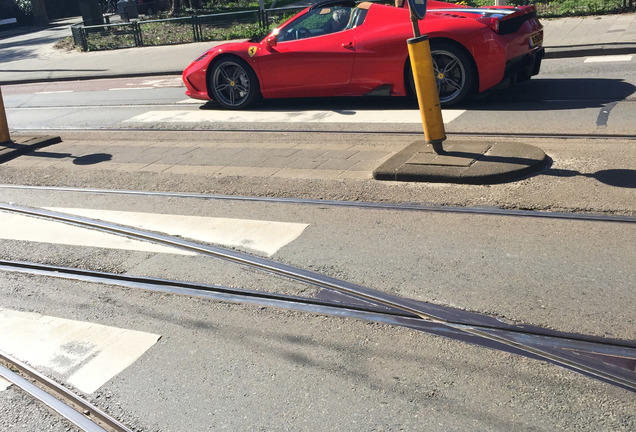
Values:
[(532, 341), (414, 133), (434, 208), (73, 408), (350, 307)]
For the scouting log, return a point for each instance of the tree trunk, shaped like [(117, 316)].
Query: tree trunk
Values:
[(175, 7), (39, 13)]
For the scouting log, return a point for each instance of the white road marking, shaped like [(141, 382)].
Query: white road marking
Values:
[(130, 88), (26, 228), (4, 384), (213, 116), (191, 101), (168, 82), (86, 354), (609, 58), (264, 236), (54, 92)]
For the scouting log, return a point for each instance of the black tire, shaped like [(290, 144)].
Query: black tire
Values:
[(454, 72), (233, 83)]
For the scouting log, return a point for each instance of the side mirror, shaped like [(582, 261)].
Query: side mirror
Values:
[(271, 41)]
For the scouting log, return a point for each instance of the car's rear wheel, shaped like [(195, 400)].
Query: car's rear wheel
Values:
[(233, 83), (454, 73)]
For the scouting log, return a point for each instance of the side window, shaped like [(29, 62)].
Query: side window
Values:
[(339, 20), (317, 22), (357, 17)]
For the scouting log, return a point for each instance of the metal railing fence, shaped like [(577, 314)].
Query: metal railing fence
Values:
[(200, 28)]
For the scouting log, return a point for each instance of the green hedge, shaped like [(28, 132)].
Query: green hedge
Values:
[(556, 8)]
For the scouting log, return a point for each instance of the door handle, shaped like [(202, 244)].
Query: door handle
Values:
[(347, 45)]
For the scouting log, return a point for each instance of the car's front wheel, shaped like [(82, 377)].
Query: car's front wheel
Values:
[(233, 83)]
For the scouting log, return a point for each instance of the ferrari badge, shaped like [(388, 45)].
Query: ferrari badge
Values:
[(252, 50)]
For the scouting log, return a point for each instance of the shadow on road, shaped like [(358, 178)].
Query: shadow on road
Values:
[(556, 94), (625, 178), (534, 95), (23, 150)]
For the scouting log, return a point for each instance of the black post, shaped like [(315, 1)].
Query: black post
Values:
[(196, 28)]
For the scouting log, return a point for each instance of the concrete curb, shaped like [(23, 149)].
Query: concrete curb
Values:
[(592, 50)]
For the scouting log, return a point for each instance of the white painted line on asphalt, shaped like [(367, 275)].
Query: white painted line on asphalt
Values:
[(609, 58), (192, 101), (54, 92), (87, 355), (4, 384), (130, 88), (263, 236), (168, 82), (345, 116), (26, 228)]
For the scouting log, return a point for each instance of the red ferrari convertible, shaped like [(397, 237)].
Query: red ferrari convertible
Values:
[(340, 48)]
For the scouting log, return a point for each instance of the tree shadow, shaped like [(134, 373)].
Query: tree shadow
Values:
[(22, 149), (625, 178), (555, 94)]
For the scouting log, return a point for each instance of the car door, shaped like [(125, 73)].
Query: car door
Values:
[(317, 65)]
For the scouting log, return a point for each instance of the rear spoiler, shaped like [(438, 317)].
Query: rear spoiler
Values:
[(501, 19), (511, 22)]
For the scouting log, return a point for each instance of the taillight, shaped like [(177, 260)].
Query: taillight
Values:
[(492, 23)]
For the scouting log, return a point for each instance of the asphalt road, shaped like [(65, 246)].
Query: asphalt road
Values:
[(220, 365), (197, 364), (574, 95)]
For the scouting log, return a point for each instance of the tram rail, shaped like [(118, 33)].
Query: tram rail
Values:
[(433, 208), (414, 133), (70, 406), (609, 360)]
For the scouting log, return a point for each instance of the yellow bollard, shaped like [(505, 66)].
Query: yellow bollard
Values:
[(4, 127), (426, 88)]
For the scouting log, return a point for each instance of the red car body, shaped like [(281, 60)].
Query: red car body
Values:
[(489, 46)]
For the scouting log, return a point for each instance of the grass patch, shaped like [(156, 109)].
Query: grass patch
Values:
[(65, 44), (110, 39)]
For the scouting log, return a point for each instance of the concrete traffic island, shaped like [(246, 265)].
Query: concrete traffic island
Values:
[(458, 161), (463, 161)]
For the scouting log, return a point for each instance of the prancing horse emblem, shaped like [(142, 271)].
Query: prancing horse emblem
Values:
[(252, 50)]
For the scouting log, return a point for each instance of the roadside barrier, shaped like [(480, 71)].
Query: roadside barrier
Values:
[(201, 28)]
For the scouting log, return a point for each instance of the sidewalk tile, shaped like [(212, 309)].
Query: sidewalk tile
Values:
[(366, 165), (155, 167), (305, 163), (191, 169), (274, 162), (356, 175), (338, 164), (248, 171), (307, 173)]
